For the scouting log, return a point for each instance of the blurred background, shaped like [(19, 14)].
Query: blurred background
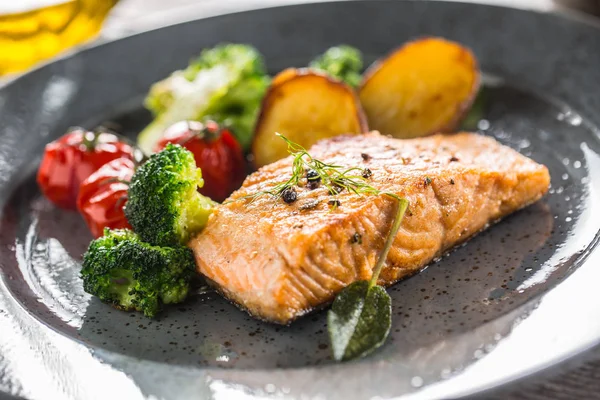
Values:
[(32, 31)]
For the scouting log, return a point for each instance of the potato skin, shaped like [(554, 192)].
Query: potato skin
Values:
[(393, 110), (305, 106)]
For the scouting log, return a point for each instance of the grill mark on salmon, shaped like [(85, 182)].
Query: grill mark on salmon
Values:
[(279, 261)]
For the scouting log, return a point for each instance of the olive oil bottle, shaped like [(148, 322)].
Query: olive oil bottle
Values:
[(34, 30)]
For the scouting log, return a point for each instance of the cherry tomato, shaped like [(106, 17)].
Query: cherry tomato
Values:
[(217, 154), (72, 158), (102, 196)]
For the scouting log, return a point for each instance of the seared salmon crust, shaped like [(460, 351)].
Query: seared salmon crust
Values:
[(279, 261)]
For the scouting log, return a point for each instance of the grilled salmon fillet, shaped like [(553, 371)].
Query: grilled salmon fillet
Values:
[(279, 261)]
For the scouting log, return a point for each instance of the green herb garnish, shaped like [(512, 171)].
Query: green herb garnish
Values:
[(335, 178), (360, 318)]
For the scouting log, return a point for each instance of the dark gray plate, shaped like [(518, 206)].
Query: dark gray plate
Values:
[(493, 311)]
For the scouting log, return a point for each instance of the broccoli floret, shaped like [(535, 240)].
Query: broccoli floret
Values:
[(226, 84), (342, 62), (132, 275), (164, 206), (244, 58)]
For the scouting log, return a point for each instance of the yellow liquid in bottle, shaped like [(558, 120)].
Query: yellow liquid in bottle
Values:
[(32, 35)]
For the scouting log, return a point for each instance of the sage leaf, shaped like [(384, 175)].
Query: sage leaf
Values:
[(359, 320), (361, 315)]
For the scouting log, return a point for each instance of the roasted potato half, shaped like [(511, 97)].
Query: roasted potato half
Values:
[(305, 106), (425, 86)]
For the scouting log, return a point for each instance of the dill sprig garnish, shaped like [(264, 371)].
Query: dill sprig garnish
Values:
[(335, 178)]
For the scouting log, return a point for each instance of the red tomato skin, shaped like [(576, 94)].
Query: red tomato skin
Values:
[(217, 154), (68, 161), (103, 195)]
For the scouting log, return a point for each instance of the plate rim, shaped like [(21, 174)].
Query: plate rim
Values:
[(574, 16)]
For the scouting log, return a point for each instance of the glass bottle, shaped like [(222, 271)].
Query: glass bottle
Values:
[(34, 30)]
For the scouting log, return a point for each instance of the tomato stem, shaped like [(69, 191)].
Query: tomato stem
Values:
[(210, 131), (89, 140)]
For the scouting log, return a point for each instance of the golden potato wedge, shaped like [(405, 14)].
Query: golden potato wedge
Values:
[(305, 106), (425, 86)]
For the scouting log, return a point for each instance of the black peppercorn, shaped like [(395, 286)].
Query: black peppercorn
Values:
[(356, 238), (365, 156), (334, 203), (453, 159), (313, 178), (312, 175), (367, 173), (289, 195), (312, 185)]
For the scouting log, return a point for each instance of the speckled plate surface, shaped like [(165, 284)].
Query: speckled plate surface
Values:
[(515, 300)]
